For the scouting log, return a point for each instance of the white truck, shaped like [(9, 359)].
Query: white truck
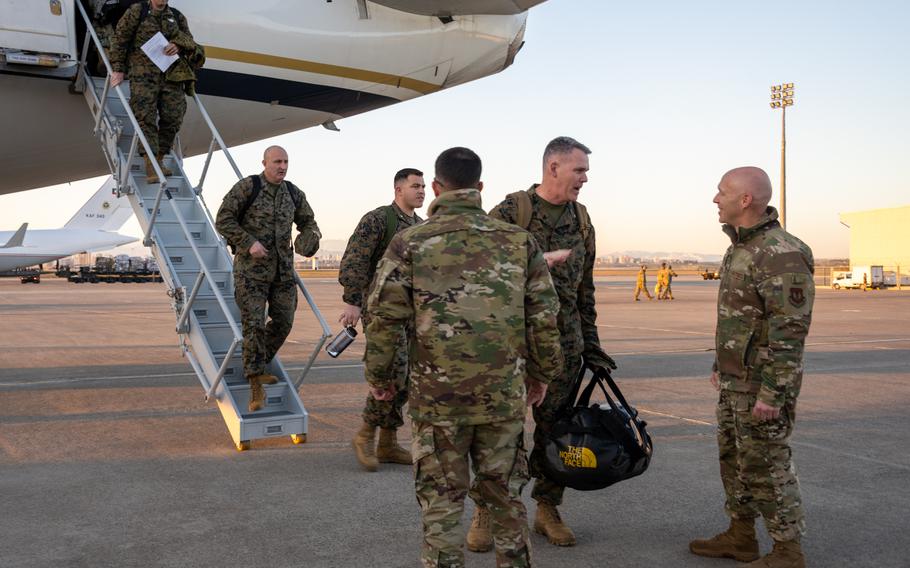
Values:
[(871, 276)]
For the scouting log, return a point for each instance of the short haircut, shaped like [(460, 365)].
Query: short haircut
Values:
[(458, 168), (563, 145), (265, 154), (405, 173)]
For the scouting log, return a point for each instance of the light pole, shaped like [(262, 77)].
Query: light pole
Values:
[(782, 97)]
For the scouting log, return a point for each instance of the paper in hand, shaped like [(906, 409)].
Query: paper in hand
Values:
[(154, 49)]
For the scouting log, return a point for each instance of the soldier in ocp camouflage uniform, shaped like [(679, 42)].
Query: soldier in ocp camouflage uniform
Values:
[(358, 265), (264, 262), (562, 228), (764, 308), (481, 309), (158, 99)]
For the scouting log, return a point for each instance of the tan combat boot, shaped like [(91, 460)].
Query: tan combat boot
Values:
[(479, 538), (388, 450), (548, 523), (785, 554), (737, 542), (167, 172), (364, 443), (150, 175), (257, 394), (266, 379)]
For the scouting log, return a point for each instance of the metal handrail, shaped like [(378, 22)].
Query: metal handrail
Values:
[(138, 134), (326, 331), (90, 29)]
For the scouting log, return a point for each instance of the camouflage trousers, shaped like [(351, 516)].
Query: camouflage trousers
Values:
[(546, 491), (756, 465), (261, 340), (159, 106), (441, 478), (388, 413)]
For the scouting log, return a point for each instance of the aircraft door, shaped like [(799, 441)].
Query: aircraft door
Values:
[(31, 28)]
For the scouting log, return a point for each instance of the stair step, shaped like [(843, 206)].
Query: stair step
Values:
[(224, 282)]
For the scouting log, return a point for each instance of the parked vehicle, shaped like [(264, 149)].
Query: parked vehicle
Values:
[(709, 274), (861, 276)]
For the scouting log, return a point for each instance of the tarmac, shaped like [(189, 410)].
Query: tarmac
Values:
[(109, 455)]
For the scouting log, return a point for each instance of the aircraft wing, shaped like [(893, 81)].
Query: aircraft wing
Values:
[(460, 7)]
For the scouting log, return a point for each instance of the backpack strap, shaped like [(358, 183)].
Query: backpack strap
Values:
[(391, 227), (294, 192), (257, 187), (523, 201), (584, 220)]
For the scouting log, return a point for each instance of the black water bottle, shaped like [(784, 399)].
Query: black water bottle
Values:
[(344, 338)]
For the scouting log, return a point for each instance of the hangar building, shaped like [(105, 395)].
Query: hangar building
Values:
[(880, 236)]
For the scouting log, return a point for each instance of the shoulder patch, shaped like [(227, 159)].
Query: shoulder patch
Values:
[(797, 297)]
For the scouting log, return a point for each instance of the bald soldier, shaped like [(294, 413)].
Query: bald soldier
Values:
[(764, 308), (255, 218)]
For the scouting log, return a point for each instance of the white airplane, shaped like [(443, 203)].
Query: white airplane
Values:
[(92, 228), (273, 66)]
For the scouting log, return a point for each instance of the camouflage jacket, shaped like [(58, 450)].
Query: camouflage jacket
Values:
[(268, 220), (358, 265), (764, 307), (131, 34), (480, 307), (574, 279)]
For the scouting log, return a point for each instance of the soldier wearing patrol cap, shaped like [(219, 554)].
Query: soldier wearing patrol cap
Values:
[(764, 308)]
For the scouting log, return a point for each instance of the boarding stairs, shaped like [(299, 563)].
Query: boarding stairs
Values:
[(194, 262)]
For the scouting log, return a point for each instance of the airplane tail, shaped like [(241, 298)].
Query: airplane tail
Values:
[(103, 210), (17, 238)]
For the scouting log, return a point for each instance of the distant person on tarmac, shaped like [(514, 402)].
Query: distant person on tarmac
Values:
[(663, 280), (668, 289), (641, 284), (764, 309), (255, 218), (365, 248)]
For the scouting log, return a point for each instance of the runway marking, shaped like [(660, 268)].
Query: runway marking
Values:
[(656, 329), (62, 380), (794, 443), (696, 350), (851, 455), (664, 414), (861, 341)]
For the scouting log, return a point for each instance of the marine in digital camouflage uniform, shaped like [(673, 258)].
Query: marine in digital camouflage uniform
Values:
[(480, 305), (558, 223), (764, 308), (358, 265), (158, 99), (264, 262)]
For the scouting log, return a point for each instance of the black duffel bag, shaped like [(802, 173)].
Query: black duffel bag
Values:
[(592, 446)]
